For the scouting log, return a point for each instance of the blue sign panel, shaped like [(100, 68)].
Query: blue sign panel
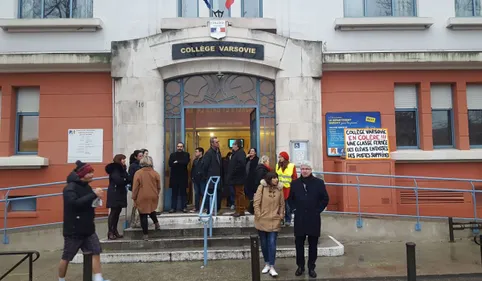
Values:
[(338, 121)]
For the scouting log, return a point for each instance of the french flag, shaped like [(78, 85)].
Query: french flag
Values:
[(228, 4)]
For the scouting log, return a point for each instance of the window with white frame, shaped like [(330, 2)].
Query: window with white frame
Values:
[(442, 120), (380, 8), (252, 8), (27, 120), (406, 116), (474, 110), (29, 9), (468, 8)]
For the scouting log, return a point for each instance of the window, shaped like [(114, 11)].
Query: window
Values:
[(474, 106), (252, 8), (406, 116), (442, 125), (220, 5), (189, 8), (22, 205), (29, 9), (380, 8), (27, 120), (467, 8)]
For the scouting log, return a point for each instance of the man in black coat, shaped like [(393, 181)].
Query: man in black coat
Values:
[(213, 167), (237, 177), (178, 180), (80, 202), (308, 196)]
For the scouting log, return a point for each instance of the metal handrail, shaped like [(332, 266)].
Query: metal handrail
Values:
[(28, 255), (7, 201), (208, 218)]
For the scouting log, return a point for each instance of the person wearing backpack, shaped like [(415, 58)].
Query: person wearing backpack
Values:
[(269, 210), (198, 179)]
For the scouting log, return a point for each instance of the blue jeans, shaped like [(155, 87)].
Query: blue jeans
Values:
[(198, 193), (199, 189), (287, 212), (268, 246)]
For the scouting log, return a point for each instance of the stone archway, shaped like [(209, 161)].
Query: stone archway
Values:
[(140, 66)]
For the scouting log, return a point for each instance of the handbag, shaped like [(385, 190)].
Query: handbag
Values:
[(251, 203)]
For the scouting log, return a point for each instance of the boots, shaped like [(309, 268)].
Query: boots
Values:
[(111, 236), (117, 234)]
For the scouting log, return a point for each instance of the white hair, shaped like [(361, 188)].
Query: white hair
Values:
[(306, 164), (263, 159), (146, 161)]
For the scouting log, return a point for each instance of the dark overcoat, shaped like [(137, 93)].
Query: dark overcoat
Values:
[(237, 168), (117, 191), (308, 196), (179, 173)]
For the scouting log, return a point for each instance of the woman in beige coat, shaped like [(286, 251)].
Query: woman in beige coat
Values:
[(269, 210), (145, 193)]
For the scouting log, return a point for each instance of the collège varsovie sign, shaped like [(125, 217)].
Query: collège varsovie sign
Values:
[(217, 30)]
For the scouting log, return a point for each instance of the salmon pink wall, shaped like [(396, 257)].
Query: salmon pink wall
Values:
[(67, 101), (354, 91)]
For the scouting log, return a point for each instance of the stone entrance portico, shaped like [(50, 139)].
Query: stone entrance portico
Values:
[(140, 67)]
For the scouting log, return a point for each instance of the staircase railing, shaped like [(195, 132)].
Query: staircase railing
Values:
[(207, 219), (27, 255)]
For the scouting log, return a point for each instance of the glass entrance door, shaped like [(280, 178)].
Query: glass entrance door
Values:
[(228, 106)]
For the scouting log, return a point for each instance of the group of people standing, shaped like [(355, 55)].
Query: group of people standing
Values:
[(273, 194), (277, 195)]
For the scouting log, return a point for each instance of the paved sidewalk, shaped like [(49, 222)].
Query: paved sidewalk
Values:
[(359, 261)]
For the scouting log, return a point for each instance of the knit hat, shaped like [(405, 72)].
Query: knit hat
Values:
[(285, 155), (82, 169)]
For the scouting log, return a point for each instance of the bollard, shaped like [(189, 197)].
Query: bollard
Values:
[(255, 274), (451, 230), (87, 266), (411, 263)]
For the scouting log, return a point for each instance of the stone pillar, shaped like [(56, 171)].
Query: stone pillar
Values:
[(138, 103), (298, 99)]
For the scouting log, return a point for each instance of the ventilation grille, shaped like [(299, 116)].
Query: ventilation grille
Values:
[(431, 197)]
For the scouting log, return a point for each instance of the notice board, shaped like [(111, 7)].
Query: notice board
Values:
[(337, 122), (367, 144)]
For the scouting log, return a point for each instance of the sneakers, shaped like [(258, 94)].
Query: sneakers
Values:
[(269, 269), (273, 272)]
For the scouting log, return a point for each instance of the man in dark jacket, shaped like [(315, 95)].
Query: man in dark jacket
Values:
[(308, 196), (213, 167), (178, 180), (198, 178), (237, 176), (79, 213)]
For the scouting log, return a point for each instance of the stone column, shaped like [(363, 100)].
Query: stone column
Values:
[(298, 99), (138, 103)]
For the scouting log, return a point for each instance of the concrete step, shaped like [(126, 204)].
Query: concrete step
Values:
[(187, 218), (187, 242), (328, 247), (196, 230)]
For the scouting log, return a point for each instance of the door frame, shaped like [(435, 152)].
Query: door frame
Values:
[(218, 106)]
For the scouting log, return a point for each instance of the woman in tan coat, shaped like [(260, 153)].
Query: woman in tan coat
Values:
[(269, 210), (145, 193)]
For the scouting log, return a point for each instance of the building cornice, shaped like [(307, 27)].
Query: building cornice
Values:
[(426, 60), (55, 62)]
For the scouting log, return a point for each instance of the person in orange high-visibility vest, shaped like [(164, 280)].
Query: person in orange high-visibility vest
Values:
[(286, 173)]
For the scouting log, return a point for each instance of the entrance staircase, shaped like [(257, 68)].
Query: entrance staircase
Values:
[(181, 239)]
